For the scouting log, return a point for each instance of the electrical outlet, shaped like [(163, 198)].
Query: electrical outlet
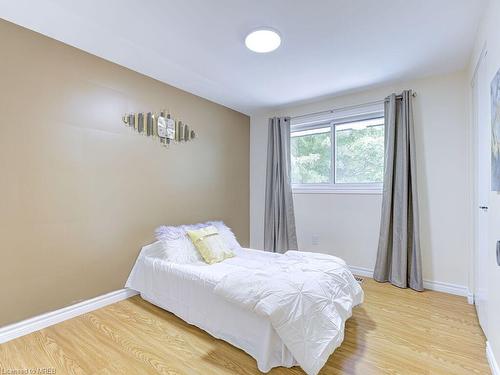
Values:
[(315, 239)]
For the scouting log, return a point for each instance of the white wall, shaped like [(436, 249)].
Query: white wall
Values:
[(348, 225), (490, 34)]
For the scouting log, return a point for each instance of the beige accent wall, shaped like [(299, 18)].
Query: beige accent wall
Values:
[(80, 193)]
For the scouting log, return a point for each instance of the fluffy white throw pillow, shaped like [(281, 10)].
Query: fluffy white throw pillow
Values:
[(181, 251)]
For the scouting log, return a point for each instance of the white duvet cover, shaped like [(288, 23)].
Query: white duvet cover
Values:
[(306, 297)]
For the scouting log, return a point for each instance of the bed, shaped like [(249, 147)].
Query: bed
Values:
[(282, 309)]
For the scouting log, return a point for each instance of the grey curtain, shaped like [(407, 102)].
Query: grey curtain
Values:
[(398, 257), (279, 219)]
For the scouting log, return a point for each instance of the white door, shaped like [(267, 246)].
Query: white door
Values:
[(481, 105)]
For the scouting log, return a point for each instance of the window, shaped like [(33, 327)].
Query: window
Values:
[(344, 154), (359, 152), (312, 156)]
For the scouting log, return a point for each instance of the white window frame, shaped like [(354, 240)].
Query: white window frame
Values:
[(331, 120)]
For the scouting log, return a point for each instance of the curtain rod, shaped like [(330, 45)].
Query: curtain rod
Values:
[(333, 110)]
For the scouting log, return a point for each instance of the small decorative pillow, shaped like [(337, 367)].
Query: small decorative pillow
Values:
[(210, 244)]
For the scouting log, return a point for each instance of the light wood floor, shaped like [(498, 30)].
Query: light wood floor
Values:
[(394, 332)]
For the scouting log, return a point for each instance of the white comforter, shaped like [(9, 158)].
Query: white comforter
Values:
[(307, 296)]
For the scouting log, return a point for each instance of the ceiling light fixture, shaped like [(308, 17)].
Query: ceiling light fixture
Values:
[(263, 40)]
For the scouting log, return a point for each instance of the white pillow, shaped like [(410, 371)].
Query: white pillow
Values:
[(181, 251), (178, 246)]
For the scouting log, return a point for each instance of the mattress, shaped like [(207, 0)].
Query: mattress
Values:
[(188, 292)]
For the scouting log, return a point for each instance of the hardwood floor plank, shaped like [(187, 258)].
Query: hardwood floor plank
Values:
[(395, 331)]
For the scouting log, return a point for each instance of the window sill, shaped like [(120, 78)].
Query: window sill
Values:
[(365, 190)]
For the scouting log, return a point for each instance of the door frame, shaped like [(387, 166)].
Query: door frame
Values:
[(473, 176)]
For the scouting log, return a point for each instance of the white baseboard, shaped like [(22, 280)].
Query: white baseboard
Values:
[(437, 286), (495, 368), (361, 271), (36, 323), (449, 288)]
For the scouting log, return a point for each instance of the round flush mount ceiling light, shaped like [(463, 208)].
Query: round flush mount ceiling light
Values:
[(263, 40)]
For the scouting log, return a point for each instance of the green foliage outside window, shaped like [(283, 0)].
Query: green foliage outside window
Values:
[(311, 158), (359, 154)]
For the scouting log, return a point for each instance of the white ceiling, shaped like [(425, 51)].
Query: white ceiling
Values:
[(328, 47)]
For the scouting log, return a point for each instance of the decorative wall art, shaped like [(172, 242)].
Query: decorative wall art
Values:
[(159, 126), (495, 133)]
